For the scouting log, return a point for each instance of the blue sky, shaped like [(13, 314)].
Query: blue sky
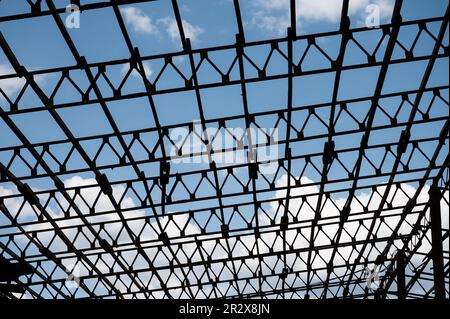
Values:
[(39, 45), (151, 28)]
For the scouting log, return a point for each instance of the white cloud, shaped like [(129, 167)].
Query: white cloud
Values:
[(13, 85), (148, 71), (143, 23), (139, 20), (271, 24), (20, 209), (13, 204), (370, 200), (190, 31), (273, 16), (10, 85), (179, 59), (93, 196)]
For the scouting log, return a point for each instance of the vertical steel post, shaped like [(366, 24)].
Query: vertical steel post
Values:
[(436, 240), (401, 287)]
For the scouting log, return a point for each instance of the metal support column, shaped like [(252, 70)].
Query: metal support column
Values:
[(436, 240), (401, 287)]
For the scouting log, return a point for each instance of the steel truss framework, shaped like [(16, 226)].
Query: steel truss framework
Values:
[(225, 231)]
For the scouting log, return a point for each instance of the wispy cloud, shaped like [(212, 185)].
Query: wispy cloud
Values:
[(10, 85), (142, 23), (139, 20), (330, 10), (13, 85), (148, 71), (190, 31), (272, 16), (271, 24)]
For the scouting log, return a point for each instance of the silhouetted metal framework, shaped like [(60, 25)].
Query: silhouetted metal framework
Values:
[(231, 252)]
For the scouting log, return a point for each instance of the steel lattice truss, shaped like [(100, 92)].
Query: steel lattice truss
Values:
[(347, 212)]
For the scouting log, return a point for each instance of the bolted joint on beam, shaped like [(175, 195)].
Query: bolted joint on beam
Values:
[(164, 171), (164, 238), (104, 184), (345, 213), (253, 170), (224, 229), (403, 143), (106, 246), (328, 153), (28, 194), (284, 273)]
